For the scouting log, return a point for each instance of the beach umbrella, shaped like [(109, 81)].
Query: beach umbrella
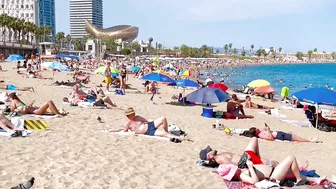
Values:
[(219, 86), (59, 67), (101, 70), (208, 96), (185, 73), (187, 83), (158, 78), (264, 90), (14, 58), (316, 96), (258, 83), (114, 70)]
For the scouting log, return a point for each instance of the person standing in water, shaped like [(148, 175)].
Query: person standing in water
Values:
[(108, 74)]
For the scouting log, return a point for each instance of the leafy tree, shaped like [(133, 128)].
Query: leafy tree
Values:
[(259, 53), (299, 55), (315, 50), (226, 48), (310, 52), (126, 51), (243, 53), (230, 46), (280, 50), (252, 47), (234, 51), (217, 51)]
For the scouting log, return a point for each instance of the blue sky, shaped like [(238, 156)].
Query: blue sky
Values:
[(291, 24)]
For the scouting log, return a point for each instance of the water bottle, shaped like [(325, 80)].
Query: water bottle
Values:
[(217, 123)]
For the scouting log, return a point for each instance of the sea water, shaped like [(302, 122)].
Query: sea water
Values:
[(294, 76)]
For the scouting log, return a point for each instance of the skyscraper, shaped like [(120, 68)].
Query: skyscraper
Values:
[(47, 14), (80, 10)]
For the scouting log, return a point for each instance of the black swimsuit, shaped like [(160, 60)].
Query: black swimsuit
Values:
[(123, 74)]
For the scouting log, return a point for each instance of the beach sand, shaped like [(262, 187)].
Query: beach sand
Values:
[(75, 153)]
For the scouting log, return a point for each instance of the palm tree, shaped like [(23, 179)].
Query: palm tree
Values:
[(299, 55), (159, 48), (315, 50), (252, 47), (234, 51), (230, 46), (60, 37), (310, 52), (280, 50), (68, 40), (226, 48)]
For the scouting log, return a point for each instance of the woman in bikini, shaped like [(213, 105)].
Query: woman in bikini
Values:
[(16, 105), (123, 77), (288, 169)]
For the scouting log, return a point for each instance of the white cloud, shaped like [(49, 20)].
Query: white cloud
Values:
[(214, 10)]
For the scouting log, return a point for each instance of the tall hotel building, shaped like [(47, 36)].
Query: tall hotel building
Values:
[(39, 12), (80, 10)]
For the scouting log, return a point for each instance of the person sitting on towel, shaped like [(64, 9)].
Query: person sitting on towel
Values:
[(140, 125), (234, 106), (250, 104), (267, 134)]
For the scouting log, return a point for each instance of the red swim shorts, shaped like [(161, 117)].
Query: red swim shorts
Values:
[(254, 158)]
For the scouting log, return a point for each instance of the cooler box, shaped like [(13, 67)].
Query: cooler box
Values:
[(207, 112)]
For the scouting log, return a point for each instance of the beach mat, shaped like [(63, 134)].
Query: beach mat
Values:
[(133, 134), (298, 123), (35, 124)]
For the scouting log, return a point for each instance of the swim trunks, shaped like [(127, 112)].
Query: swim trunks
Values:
[(151, 129), (108, 80), (283, 136), (260, 106), (254, 158)]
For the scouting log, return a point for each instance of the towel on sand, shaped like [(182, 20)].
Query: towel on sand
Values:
[(133, 133), (297, 123)]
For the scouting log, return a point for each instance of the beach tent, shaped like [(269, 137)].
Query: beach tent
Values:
[(14, 58), (258, 83), (46, 65)]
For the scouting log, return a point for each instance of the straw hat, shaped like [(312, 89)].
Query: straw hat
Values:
[(129, 111)]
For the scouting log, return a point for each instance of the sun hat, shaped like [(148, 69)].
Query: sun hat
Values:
[(203, 153), (129, 111), (227, 171)]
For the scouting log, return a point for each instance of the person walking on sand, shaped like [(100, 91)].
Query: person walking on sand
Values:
[(108, 74)]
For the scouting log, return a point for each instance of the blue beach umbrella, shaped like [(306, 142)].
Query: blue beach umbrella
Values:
[(158, 78), (316, 96), (208, 96), (58, 66), (186, 83), (14, 58)]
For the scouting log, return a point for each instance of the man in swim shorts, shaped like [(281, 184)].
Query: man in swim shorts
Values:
[(108, 74), (140, 125)]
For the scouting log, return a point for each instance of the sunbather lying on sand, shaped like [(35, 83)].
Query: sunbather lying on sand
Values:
[(234, 106), (140, 125), (230, 158), (65, 83), (16, 105), (250, 104), (287, 169), (97, 95), (11, 87), (8, 126), (267, 134)]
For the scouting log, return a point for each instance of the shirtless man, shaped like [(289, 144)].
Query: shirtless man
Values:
[(234, 106), (250, 104), (252, 150), (140, 125)]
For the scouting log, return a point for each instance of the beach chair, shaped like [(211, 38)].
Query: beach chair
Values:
[(320, 124)]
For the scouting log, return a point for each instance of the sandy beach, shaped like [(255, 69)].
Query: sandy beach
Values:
[(74, 152)]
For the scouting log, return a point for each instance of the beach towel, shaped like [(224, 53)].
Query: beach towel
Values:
[(6, 134), (291, 108), (90, 105), (29, 124), (133, 134), (41, 116), (274, 114), (298, 123)]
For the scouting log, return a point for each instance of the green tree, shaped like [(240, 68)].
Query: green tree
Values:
[(315, 50), (111, 45), (280, 50), (226, 48), (217, 51), (263, 52), (299, 55), (252, 47), (68, 40), (259, 53), (234, 52), (230, 46), (126, 51), (60, 38), (310, 52)]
